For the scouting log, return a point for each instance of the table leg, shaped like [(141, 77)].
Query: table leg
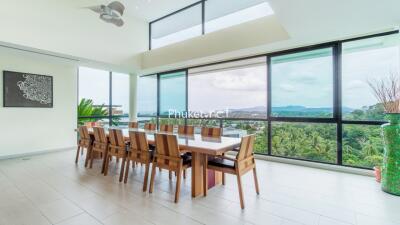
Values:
[(214, 178), (197, 174)]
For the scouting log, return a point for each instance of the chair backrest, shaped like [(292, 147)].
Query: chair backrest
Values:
[(92, 124), (138, 141), (167, 150), (149, 126), (84, 133), (246, 147), (185, 130), (99, 135), (211, 131), (133, 125), (116, 137), (167, 128)]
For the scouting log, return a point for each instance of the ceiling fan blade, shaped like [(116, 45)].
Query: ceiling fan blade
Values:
[(117, 6), (96, 8), (116, 22)]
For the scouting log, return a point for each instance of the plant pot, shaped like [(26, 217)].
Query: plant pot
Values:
[(391, 160), (378, 173)]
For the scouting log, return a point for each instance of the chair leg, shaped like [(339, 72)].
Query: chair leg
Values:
[(146, 176), (106, 165), (205, 176), (153, 174), (88, 155), (77, 154), (105, 159), (91, 159), (239, 180), (178, 184), (170, 174), (128, 161), (223, 178), (121, 173), (184, 174), (256, 180)]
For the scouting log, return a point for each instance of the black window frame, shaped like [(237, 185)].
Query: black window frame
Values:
[(337, 117)]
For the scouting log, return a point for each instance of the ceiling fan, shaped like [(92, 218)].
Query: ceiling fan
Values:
[(110, 13)]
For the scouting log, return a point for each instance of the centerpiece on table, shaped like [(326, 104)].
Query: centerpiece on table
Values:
[(388, 93)]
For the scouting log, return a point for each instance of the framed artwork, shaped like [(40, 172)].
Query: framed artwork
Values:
[(27, 90)]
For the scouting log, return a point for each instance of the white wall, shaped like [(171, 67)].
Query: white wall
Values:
[(31, 130)]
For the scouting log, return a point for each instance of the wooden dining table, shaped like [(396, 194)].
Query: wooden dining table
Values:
[(200, 147)]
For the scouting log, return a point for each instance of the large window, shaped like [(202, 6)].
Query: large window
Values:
[(316, 142), (120, 99), (204, 17), (312, 103), (173, 94), (147, 95), (240, 128), (302, 84), (362, 145), (237, 89), (364, 61), (177, 27), (220, 14), (100, 102)]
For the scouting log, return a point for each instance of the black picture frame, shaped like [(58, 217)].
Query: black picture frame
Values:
[(14, 97)]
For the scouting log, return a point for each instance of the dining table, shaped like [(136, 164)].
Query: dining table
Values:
[(200, 147)]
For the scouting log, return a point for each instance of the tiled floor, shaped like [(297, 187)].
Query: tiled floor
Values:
[(51, 189)]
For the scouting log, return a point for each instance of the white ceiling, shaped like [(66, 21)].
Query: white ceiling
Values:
[(62, 26)]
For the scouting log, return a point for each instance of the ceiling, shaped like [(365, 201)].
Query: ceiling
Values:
[(65, 27)]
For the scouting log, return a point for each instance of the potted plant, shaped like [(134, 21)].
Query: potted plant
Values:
[(387, 91)]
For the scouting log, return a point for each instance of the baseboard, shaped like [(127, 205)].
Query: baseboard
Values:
[(21, 155), (343, 169)]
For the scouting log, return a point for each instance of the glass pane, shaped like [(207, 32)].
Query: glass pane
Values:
[(143, 120), (94, 86), (221, 14), (120, 94), (235, 128), (198, 123), (172, 121), (177, 27), (363, 61), (302, 84), (230, 86), (362, 145), (147, 95), (316, 142), (173, 94)]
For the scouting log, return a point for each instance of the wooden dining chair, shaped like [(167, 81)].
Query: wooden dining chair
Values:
[(211, 131), (243, 163), (150, 126), (117, 149), (185, 130), (168, 156), (139, 152), (100, 145), (167, 128), (133, 124), (84, 142)]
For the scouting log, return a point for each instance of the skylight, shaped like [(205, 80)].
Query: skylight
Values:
[(219, 14)]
